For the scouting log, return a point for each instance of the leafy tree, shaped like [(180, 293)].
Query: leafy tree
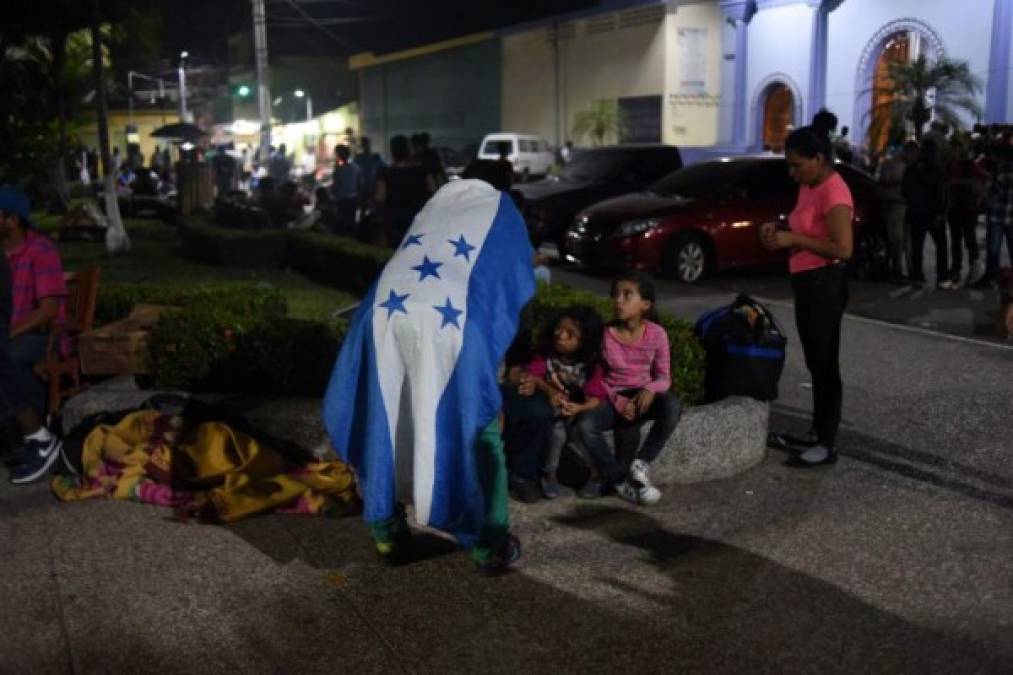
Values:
[(601, 121), (925, 89)]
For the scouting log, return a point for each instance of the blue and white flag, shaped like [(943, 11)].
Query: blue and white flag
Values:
[(416, 380)]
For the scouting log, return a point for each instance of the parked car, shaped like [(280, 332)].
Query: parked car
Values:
[(550, 205), (530, 155), (706, 217)]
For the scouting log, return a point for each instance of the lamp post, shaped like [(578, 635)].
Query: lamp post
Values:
[(299, 93), (182, 85)]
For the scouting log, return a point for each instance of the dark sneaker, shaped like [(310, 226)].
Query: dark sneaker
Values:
[(550, 486), (590, 490), (500, 562), (39, 457), (396, 553), (524, 490)]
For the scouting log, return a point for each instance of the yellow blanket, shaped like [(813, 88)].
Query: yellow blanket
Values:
[(212, 471)]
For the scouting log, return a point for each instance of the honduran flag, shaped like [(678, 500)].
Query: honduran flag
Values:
[(416, 380)]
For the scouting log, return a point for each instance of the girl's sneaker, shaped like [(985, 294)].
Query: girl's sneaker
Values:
[(638, 472), (638, 493), (549, 485)]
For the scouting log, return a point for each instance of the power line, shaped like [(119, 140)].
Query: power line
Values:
[(331, 34)]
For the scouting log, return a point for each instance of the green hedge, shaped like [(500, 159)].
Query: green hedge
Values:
[(234, 248), (688, 360), (337, 261), (115, 300), (203, 348), (344, 263)]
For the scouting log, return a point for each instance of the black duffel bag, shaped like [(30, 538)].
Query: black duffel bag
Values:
[(745, 349)]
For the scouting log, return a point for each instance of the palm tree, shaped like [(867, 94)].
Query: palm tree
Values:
[(601, 121), (923, 90)]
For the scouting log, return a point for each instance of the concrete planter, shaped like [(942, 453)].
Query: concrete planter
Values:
[(711, 442), (714, 441)]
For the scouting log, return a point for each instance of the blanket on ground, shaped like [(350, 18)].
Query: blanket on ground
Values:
[(210, 471)]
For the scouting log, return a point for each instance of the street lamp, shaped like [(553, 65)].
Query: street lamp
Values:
[(299, 93), (183, 55)]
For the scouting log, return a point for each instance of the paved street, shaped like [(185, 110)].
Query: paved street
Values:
[(896, 560)]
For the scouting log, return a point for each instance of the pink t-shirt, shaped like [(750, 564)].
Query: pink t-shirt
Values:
[(810, 219), (645, 364)]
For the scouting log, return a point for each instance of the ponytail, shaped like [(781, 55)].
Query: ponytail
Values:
[(810, 142)]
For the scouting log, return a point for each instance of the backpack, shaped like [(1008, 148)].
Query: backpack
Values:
[(745, 350)]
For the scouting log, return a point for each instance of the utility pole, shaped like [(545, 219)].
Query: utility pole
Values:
[(182, 86), (263, 89)]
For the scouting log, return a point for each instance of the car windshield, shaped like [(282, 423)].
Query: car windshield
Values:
[(699, 180), (596, 165)]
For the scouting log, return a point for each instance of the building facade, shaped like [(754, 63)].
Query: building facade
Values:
[(712, 76), (802, 55)]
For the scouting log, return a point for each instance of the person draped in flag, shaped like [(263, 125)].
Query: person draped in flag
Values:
[(413, 402)]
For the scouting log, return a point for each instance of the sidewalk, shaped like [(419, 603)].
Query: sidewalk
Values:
[(769, 572)]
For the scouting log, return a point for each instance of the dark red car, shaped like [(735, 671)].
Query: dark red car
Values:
[(706, 217)]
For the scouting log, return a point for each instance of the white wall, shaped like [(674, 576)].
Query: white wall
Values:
[(779, 42), (694, 121), (620, 62), (528, 90), (965, 28)]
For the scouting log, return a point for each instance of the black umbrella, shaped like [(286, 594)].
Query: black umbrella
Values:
[(183, 131)]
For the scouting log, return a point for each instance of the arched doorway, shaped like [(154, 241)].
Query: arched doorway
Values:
[(902, 40), (899, 48), (778, 115)]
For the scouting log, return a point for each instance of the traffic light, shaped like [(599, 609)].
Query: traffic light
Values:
[(243, 91)]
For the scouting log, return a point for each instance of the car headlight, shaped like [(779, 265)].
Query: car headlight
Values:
[(580, 224), (634, 227)]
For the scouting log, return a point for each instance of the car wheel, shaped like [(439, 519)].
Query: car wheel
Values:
[(686, 258)]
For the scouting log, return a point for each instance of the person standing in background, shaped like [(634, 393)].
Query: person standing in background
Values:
[(924, 189), (890, 176)]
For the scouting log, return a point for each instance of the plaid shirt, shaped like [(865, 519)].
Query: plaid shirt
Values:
[(1000, 196), (36, 273)]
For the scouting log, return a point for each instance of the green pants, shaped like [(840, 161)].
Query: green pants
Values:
[(492, 474)]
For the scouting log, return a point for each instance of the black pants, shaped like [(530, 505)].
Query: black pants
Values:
[(820, 298), (665, 410), (527, 429), (933, 226), (962, 233)]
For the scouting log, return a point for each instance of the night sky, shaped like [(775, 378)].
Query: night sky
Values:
[(349, 26)]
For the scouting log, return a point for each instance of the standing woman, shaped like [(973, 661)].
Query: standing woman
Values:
[(821, 242)]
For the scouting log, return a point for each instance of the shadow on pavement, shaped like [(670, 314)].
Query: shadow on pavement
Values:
[(592, 601), (893, 457)]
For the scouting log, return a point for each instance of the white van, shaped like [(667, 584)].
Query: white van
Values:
[(530, 155)]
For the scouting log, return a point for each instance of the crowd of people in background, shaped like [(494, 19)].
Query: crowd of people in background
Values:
[(937, 188)]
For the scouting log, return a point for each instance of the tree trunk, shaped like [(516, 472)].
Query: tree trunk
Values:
[(920, 114), (59, 47), (117, 240)]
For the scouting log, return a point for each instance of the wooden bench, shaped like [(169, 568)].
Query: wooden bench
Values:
[(62, 373)]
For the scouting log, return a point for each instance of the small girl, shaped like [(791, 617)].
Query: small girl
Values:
[(561, 381), (636, 356)]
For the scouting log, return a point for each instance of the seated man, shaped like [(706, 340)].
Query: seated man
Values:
[(37, 293)]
